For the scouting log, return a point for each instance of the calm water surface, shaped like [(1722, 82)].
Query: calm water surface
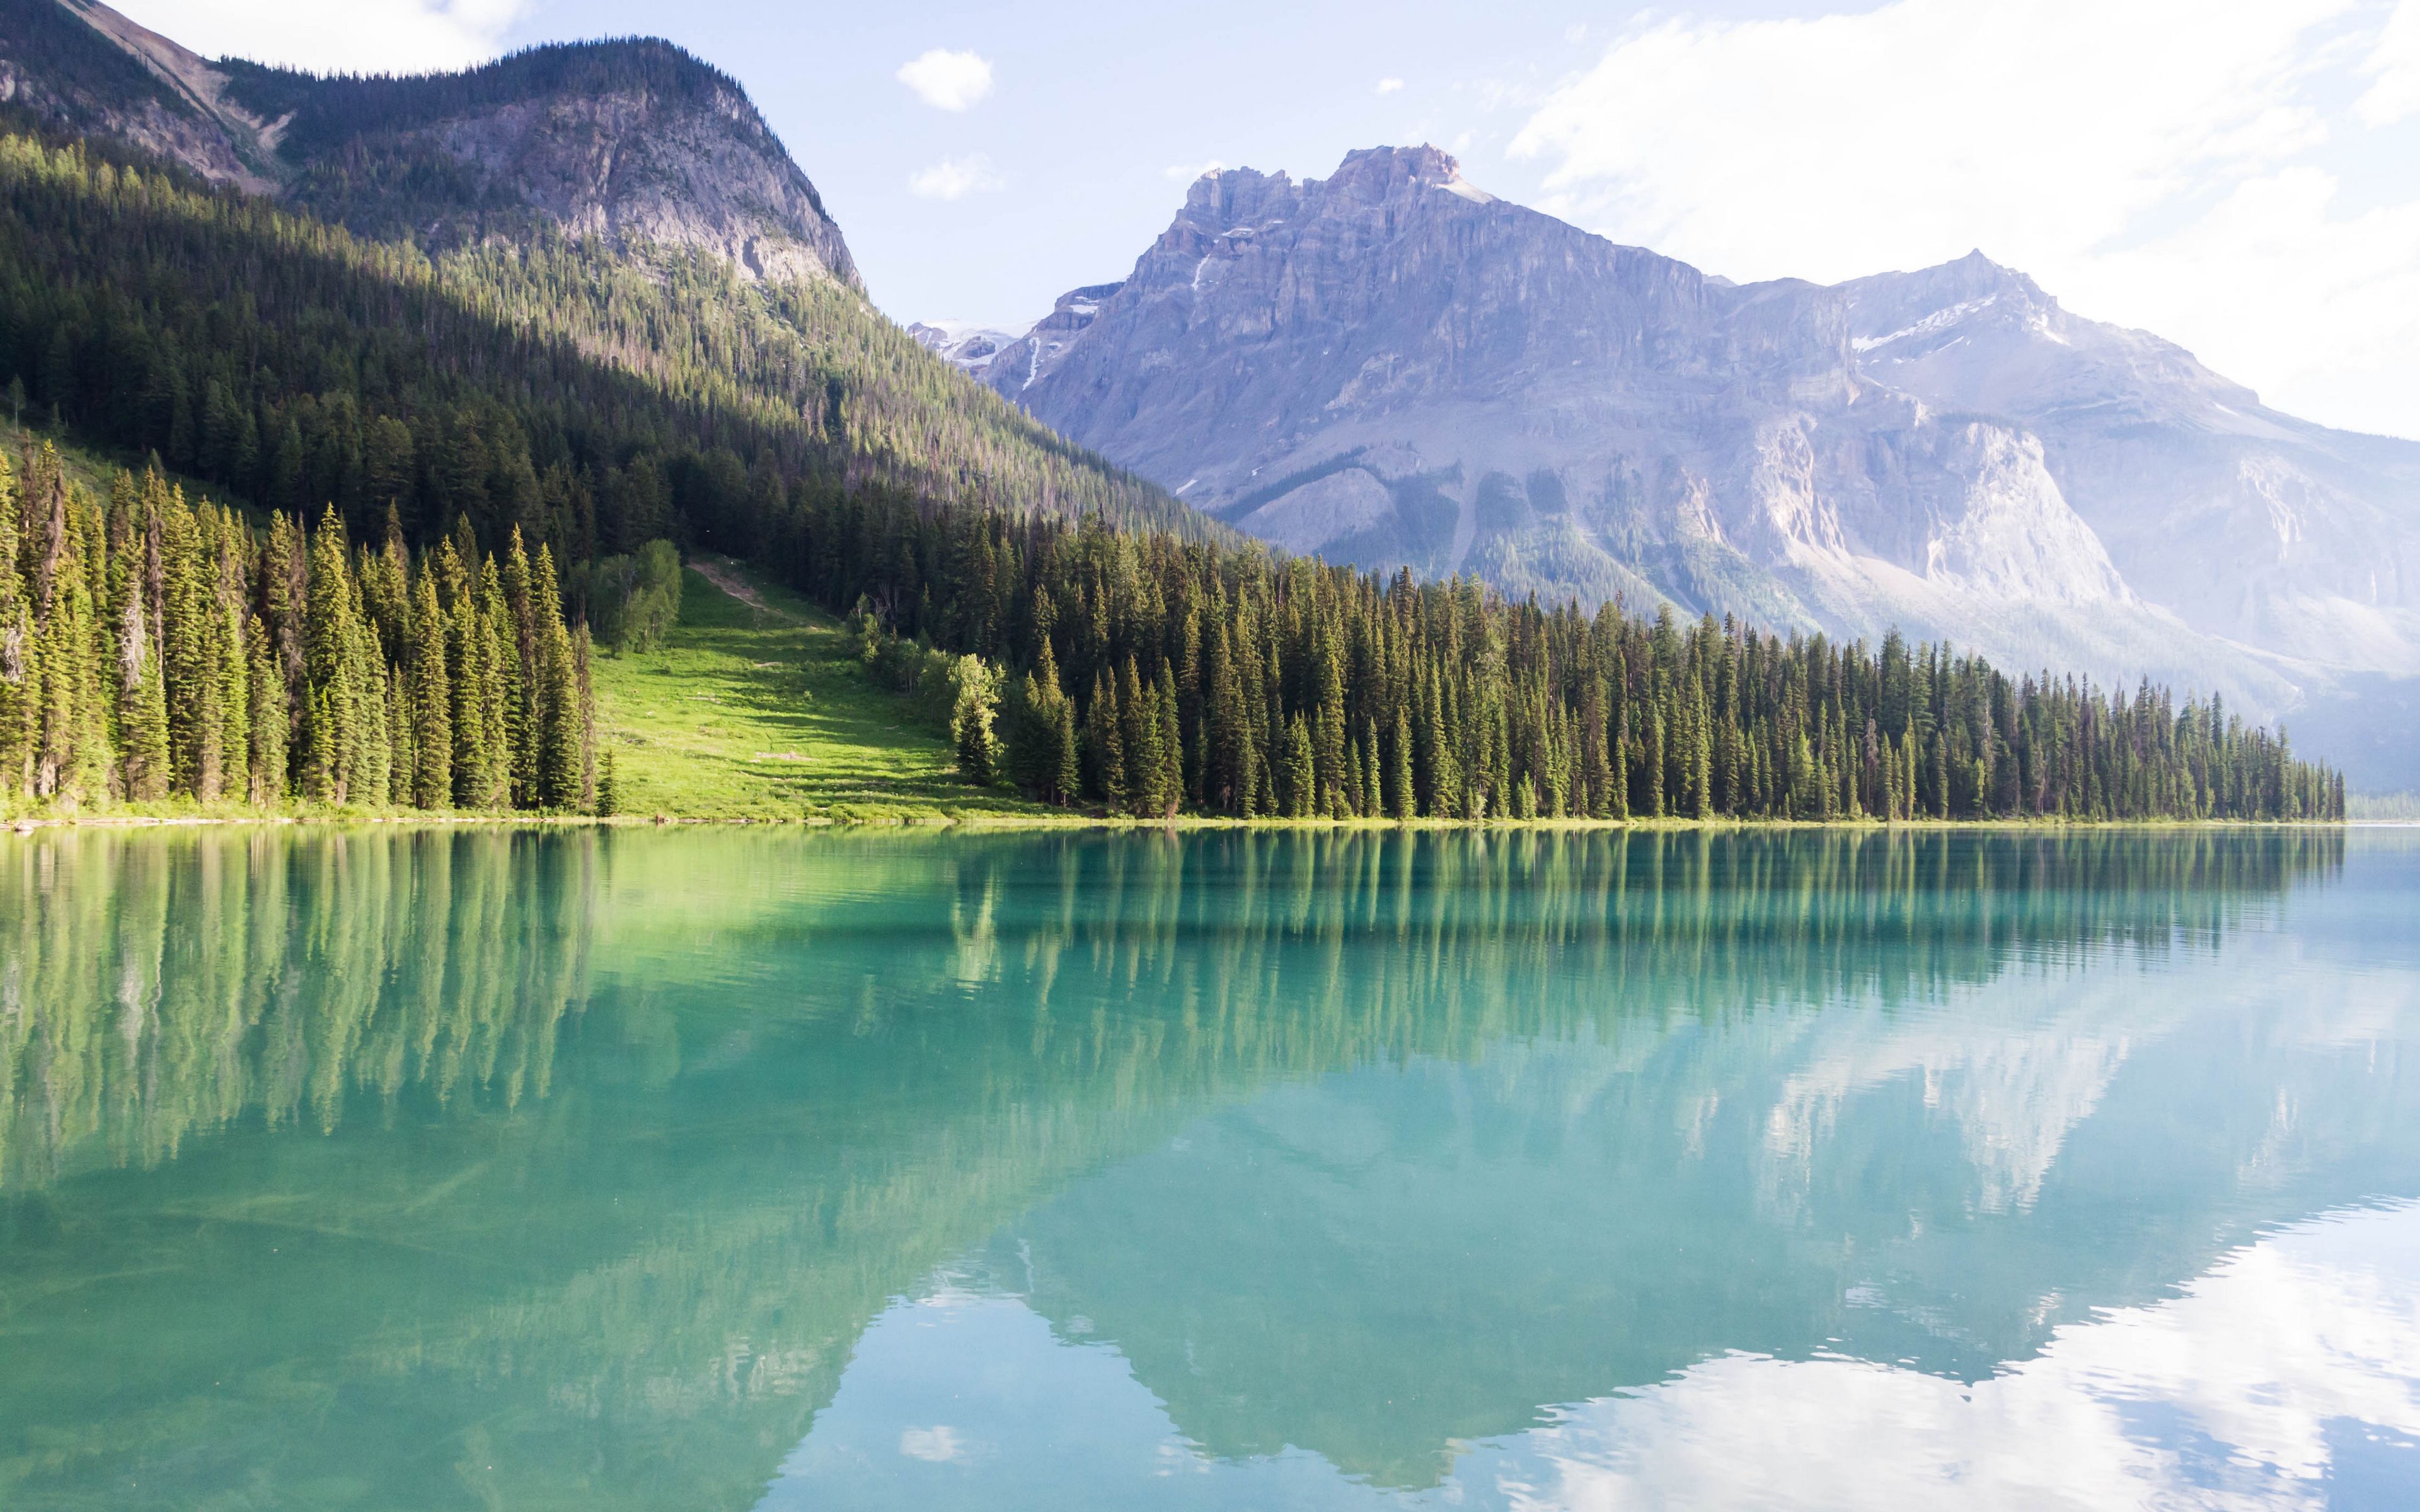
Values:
[(731, 1169)]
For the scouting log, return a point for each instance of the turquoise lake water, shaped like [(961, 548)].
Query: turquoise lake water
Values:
[(728, 1168)]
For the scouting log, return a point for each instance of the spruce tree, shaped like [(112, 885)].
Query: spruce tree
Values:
[(1400, 788), (1138, 737), (145, 763), (973, 708), (1105, 746), (429, 698), (499, 691), (1299, 791), (332, 733), (582, 659), (556, 696), (269, 719), (16, 643), (1374, 799), (1167, 791), (523, 720)]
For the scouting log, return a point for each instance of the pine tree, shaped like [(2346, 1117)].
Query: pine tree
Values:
[(1373, 802), (1168, 790), (1138, 737), (582, 660), (332, 733), (1104, 743), (429, 698), (555, 697), (1299, 791), (497, 668), (227, 550), (1399, 787), (1066, 779), (146, 763), (973, 709), (269, 718), (16, 643), (524, 723)]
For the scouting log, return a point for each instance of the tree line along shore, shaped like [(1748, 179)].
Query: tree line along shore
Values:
[(156, 652)]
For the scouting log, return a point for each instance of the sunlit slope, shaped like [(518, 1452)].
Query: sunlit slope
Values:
[(763, 712)]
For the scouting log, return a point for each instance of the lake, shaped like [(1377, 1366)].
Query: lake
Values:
[(734, 1168)]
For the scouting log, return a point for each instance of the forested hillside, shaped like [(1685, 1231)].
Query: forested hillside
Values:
[(470, 433), (1160, 675), (588, 398)]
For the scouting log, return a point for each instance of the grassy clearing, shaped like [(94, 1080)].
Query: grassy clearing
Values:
[(753, 712)]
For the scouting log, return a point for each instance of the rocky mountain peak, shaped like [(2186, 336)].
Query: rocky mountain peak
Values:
[(1371, 174), (1227, 199), (1388, 367), (630, 140)]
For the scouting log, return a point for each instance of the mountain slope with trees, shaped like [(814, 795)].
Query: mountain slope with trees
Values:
[(1391, 366), (439, 455)]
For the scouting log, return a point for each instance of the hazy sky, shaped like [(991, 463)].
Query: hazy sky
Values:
[(2237, 175)]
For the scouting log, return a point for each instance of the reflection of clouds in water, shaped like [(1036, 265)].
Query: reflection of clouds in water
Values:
[(2014, 1095), (2230, 1395), (935, 1445), (2222, 1397), (2016, 1065)]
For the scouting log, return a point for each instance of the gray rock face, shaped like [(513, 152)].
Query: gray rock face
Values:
[(625, 141), (632, 165), (967, 347), (1392, 367)]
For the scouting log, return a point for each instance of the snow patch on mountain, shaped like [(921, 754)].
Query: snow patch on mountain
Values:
[(965, 345)]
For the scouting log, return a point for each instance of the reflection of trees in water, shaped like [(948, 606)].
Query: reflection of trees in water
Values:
[(813, 1068), (158, 986), (1308, 951)]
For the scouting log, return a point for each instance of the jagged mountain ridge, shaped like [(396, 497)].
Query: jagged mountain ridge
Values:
[(624, 140), (1392, 367), (969, 348)]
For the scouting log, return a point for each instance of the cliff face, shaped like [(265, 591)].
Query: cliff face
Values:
[(625, 141), (1392, 367)]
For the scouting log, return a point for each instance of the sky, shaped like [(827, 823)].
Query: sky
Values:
[(2235, 175)]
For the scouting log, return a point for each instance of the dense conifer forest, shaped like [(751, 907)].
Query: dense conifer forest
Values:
[(150, 649), (1157, 675), (542, 383), (470, 436)]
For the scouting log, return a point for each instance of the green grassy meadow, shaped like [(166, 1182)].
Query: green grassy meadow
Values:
[(750, 712)]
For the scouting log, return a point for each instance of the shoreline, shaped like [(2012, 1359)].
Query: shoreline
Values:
[(935, 822)]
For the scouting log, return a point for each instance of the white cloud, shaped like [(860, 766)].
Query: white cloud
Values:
[(2268, 1358), (935, 1445), (1388, 87), (355, 37), (2151, 193), (954, 178), (946, 80), (1186, 173), (2395, 65)]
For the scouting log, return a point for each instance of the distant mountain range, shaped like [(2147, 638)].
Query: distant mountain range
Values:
[(1394, 368)]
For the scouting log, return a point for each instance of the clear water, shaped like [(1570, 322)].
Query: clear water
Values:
[(734, 1168)]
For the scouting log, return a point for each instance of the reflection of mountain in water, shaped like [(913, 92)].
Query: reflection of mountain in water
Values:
[(1557, 1220), (596, 1152)]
